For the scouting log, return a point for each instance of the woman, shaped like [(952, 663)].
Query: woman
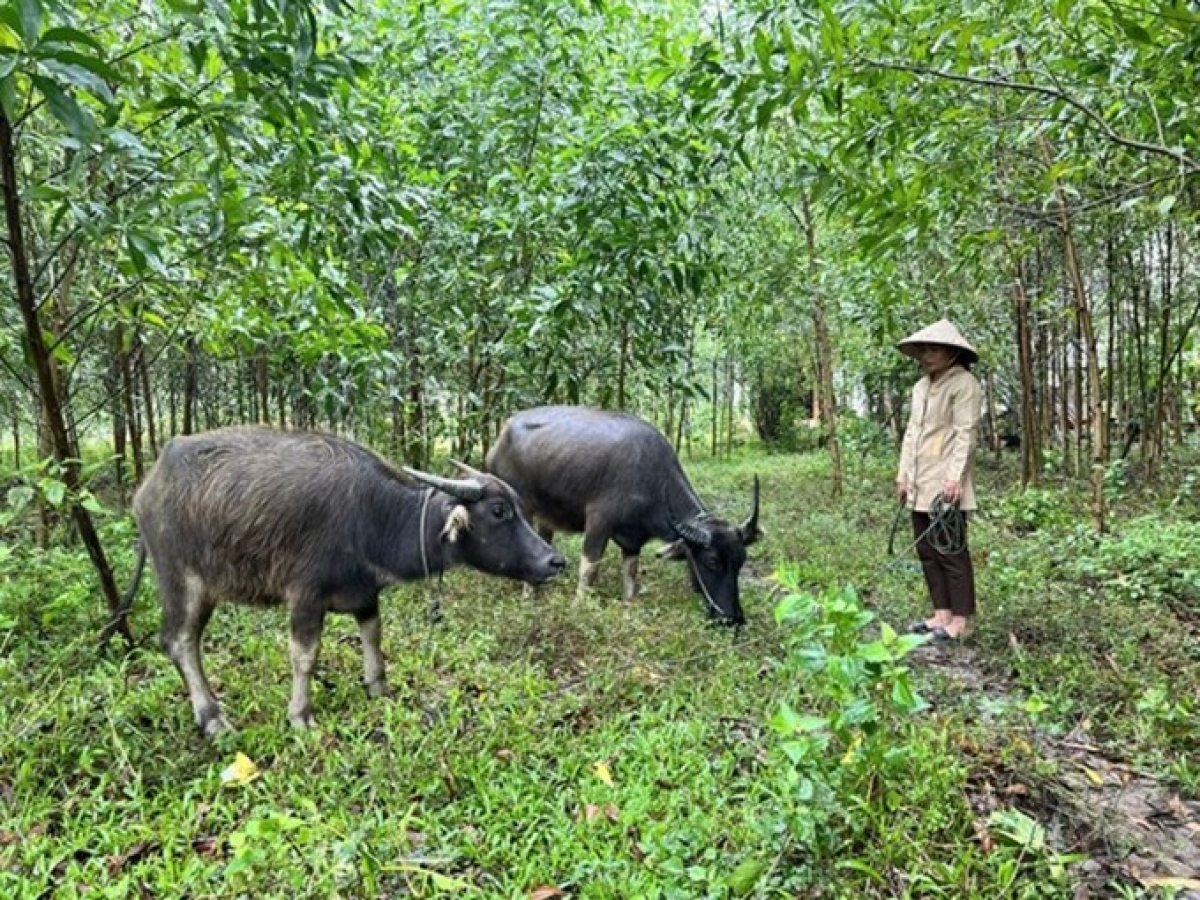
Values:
[(934, 478)]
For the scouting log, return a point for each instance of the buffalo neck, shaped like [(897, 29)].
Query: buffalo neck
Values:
[(397, 547), (681, 501)]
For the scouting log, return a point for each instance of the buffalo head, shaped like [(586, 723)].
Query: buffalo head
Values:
[(488, 530), (715, 551)]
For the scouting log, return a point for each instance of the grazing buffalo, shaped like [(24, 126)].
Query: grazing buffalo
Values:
[(317, 523), (615, 477)]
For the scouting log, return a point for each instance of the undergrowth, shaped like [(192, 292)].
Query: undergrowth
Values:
[(604, 750)]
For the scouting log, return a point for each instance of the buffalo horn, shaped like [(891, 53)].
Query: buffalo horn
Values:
[(693, 534), (466, 470), (749, 528), (468, 489)]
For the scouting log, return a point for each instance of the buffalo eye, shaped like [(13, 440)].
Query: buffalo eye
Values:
[(500, 510), (710, 559)]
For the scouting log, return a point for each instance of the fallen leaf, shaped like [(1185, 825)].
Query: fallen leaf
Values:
[(7, 838), (207, 846), (983, 835), (1017, 789), (608, 811), (545, 892), (1092, 775), (240, 772), (132, 855), (604, 773), (505, 754)]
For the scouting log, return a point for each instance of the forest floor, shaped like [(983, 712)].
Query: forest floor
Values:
[(1131, 824), (546, 748)]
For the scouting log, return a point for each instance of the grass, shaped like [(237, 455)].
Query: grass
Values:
[(602, 750)]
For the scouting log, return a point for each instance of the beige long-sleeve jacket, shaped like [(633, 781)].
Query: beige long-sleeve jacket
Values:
[(940, 440)]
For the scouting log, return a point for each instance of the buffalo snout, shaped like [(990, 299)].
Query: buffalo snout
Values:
[(551, 567)]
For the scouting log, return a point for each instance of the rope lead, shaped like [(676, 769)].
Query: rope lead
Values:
[(947, 529)]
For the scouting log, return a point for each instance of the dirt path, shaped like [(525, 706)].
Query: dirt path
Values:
[(1133, 828)]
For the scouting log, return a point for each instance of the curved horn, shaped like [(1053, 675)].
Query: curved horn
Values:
[(467, 470), (693, 534), (468, 489), (749, 529)]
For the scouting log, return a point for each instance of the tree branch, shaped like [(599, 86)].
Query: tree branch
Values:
[(1191, 166)]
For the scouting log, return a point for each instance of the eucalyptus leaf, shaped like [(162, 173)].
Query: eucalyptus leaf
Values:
[(65, 108), (29, 14)]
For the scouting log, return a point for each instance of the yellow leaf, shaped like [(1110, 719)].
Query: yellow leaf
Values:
[(852, 750), (1092, 775), (604, 773), (241, 771)]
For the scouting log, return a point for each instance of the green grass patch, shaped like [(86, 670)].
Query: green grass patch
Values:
[(607, 750)]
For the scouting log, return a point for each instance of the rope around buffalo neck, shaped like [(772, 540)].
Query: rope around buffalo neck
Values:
[(947, 531), (700, 581), (435, 603)]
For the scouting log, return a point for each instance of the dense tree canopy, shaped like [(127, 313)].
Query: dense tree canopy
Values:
[(407, 219)]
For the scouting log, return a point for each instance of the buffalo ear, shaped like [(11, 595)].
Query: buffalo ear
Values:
[(749, 537), (673, 550), (457, 524)]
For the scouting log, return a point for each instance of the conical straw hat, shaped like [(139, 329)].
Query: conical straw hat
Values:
[(941, 332)]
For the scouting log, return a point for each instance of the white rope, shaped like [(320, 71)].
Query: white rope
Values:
[(700, 581), (435, 603)]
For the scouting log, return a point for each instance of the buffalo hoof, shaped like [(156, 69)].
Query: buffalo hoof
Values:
[(303, 719), (379, 688), (215, 724)]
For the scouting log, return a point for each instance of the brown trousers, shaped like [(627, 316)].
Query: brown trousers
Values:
[(950, 577)]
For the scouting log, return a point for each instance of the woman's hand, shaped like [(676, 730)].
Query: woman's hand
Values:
[(901, 490), (952, 491)]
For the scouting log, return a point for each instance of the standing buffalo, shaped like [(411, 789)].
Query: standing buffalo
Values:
[(315, 522), (614, 476)]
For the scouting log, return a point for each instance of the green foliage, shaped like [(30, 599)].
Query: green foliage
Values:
[(1144, 559), (608, 751), (1033, 509)]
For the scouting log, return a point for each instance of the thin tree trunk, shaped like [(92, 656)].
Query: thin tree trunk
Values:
[(824, 355), (1083, 316), (147, 397), (191, 384), (715, 406), (52, 410), (1031, 431), (729, 373), (131, 416), (262, 387)]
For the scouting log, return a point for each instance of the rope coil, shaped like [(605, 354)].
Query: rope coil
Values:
[(947, 531)]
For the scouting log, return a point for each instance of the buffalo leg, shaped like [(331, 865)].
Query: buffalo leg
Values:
[(594, 543), (308, 619), (629, 567), (186, 611), (370, 629)]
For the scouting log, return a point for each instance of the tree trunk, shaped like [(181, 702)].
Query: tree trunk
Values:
[(131, 415), (51, 402), (1031, 431), (191, 383), (147, 397), (1083, 317), (824, 355)]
